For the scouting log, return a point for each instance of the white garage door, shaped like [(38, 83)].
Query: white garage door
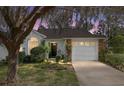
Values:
[(84, 50)]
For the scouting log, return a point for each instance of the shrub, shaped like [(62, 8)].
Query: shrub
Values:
[(27, 59), (21, 56), (36, 51), (61, 58), (118, 49), (3, 62), (39, 54), (37, 58), (65, 59), (116, 43), (58, 58), (115, 59)]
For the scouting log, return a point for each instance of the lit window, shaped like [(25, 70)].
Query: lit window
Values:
[(33, 42), (87, 44), (82, 43)]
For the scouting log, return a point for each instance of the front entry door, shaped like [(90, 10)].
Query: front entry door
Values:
[(53, 52)]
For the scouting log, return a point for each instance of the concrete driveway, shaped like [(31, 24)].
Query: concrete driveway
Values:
[(93, 73)]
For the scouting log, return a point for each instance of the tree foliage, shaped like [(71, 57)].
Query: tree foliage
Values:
[(117, 43), (110, 19)]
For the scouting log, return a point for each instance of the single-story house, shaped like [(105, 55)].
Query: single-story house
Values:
[(77, 44)]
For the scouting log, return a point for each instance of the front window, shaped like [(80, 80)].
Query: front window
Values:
[(33, 42)]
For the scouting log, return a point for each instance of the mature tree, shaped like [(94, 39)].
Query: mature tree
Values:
[(68, 17), (59, 18), (15, 24), (113, 23)]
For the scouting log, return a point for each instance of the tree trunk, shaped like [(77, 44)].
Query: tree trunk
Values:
[(12, 68)]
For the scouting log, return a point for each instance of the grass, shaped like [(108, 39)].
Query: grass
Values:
[(43, 74)]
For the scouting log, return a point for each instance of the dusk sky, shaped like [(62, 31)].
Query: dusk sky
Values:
[(37, 24)]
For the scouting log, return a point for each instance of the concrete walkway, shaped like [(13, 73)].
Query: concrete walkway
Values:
[(92, 73)]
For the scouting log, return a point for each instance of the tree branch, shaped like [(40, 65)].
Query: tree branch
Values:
[(5, 13), (4, 40), (30, 15), (32, 22)]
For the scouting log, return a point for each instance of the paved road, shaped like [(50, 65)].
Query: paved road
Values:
[(93, 73)]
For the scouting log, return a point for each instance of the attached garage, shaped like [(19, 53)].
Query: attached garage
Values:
[(84, 49)]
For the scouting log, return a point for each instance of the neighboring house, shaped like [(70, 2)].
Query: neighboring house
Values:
[(3, 52), (79, 45)]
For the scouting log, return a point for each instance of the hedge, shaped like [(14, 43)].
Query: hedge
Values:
[(115, 59)]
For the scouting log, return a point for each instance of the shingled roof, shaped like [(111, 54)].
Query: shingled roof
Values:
[(67, 33)]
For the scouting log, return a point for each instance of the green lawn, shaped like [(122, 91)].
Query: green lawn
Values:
[(44, 74)]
